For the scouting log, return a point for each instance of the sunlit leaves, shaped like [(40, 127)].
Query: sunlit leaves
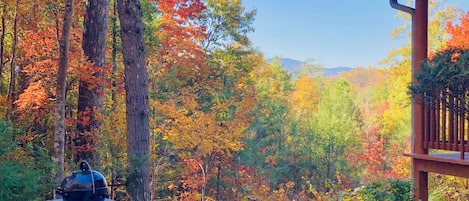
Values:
[(34, 101), (201, 133), (180, 35), (459, 33), (306, 95)]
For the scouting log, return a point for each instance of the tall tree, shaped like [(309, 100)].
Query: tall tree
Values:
[(2, 40), (12, 85), (226, 22), (59, 136), (137, 108), (180, 34), (265, 147), (337, 127), (90, 98)]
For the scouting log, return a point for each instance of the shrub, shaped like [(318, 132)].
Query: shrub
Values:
[(387, 190), (24, 170), (444, 78)]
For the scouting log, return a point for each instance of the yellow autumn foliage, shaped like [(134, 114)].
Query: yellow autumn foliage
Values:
[(199, 132)]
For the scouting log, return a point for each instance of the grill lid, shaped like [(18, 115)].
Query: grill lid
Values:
[(85, 184)]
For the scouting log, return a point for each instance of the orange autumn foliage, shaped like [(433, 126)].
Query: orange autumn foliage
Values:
[(180, 35), (459, 33), (40, 55), (34, 101), (40, 62)]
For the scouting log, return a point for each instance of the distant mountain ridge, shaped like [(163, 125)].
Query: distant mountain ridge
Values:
[(294, 66)]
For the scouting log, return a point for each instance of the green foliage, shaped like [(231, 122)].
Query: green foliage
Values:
[(151, 22), (227, 22), (18, 183), (336, 128), (25, 170), (387, 190), (265, 147)]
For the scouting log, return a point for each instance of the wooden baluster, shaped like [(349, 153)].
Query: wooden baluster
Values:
[(461, 105), (443, 121), (451, 124), (426, 127), (432, 122), (438, 121), (465, 110), (456, 122)]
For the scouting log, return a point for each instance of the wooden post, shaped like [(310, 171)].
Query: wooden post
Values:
[(419, 53)]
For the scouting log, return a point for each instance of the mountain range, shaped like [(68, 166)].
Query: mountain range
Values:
[(294, 66)]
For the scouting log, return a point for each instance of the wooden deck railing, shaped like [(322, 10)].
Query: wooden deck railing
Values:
[(446, 122)]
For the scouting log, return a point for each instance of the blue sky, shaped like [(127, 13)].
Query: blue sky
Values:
[(332, 32)]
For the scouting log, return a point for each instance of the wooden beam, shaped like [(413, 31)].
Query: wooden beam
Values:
[(451, 157), (439, 167)]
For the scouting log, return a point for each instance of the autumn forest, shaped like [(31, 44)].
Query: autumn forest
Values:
[(169, 101)]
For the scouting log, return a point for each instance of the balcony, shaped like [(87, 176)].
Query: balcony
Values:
[(441, 118)]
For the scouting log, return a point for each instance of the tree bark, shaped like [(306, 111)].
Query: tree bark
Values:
[(2, 41), (59, 135), (91, 99), (137, 108)]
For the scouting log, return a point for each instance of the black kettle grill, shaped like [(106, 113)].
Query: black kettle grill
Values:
[(84, 185)]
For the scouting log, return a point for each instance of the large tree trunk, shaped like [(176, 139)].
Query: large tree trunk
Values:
[(137, 108), (90, 100), (2, 42), (59, 135)]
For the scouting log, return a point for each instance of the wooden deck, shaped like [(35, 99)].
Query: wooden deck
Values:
[(448, 157)]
